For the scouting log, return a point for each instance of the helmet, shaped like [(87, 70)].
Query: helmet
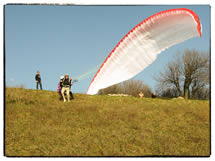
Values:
[(61, 77)]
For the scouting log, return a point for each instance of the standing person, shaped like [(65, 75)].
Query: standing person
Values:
[(66, 85), (38, 80)]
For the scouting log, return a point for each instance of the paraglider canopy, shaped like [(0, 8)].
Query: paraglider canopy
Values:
[(141, 46)]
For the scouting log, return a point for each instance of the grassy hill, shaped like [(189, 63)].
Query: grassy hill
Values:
[(38, 124)]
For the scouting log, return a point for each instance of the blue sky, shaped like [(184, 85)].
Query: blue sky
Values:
[(75, 39)]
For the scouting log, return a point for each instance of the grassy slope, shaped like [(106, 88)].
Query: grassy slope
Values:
[(38, 124)]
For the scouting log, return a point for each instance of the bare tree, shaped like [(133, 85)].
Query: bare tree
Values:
[(134, 87), (115, 89), (167, 92), (130, 87), (194, 69), (171, 77), (188, 73)]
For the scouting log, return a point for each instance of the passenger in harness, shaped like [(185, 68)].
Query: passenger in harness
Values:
[(66, 85), (59, 87)]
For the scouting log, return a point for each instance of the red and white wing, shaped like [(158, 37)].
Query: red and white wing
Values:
[(141, 46)]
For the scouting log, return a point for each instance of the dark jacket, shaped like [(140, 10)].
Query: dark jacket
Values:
[(37, 78), (66, 83)]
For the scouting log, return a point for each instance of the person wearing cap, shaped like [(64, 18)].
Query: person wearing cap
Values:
[(59, 87), (66, 85), (38, 80)]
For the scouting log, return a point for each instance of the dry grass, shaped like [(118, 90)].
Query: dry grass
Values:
[(38, 124)]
